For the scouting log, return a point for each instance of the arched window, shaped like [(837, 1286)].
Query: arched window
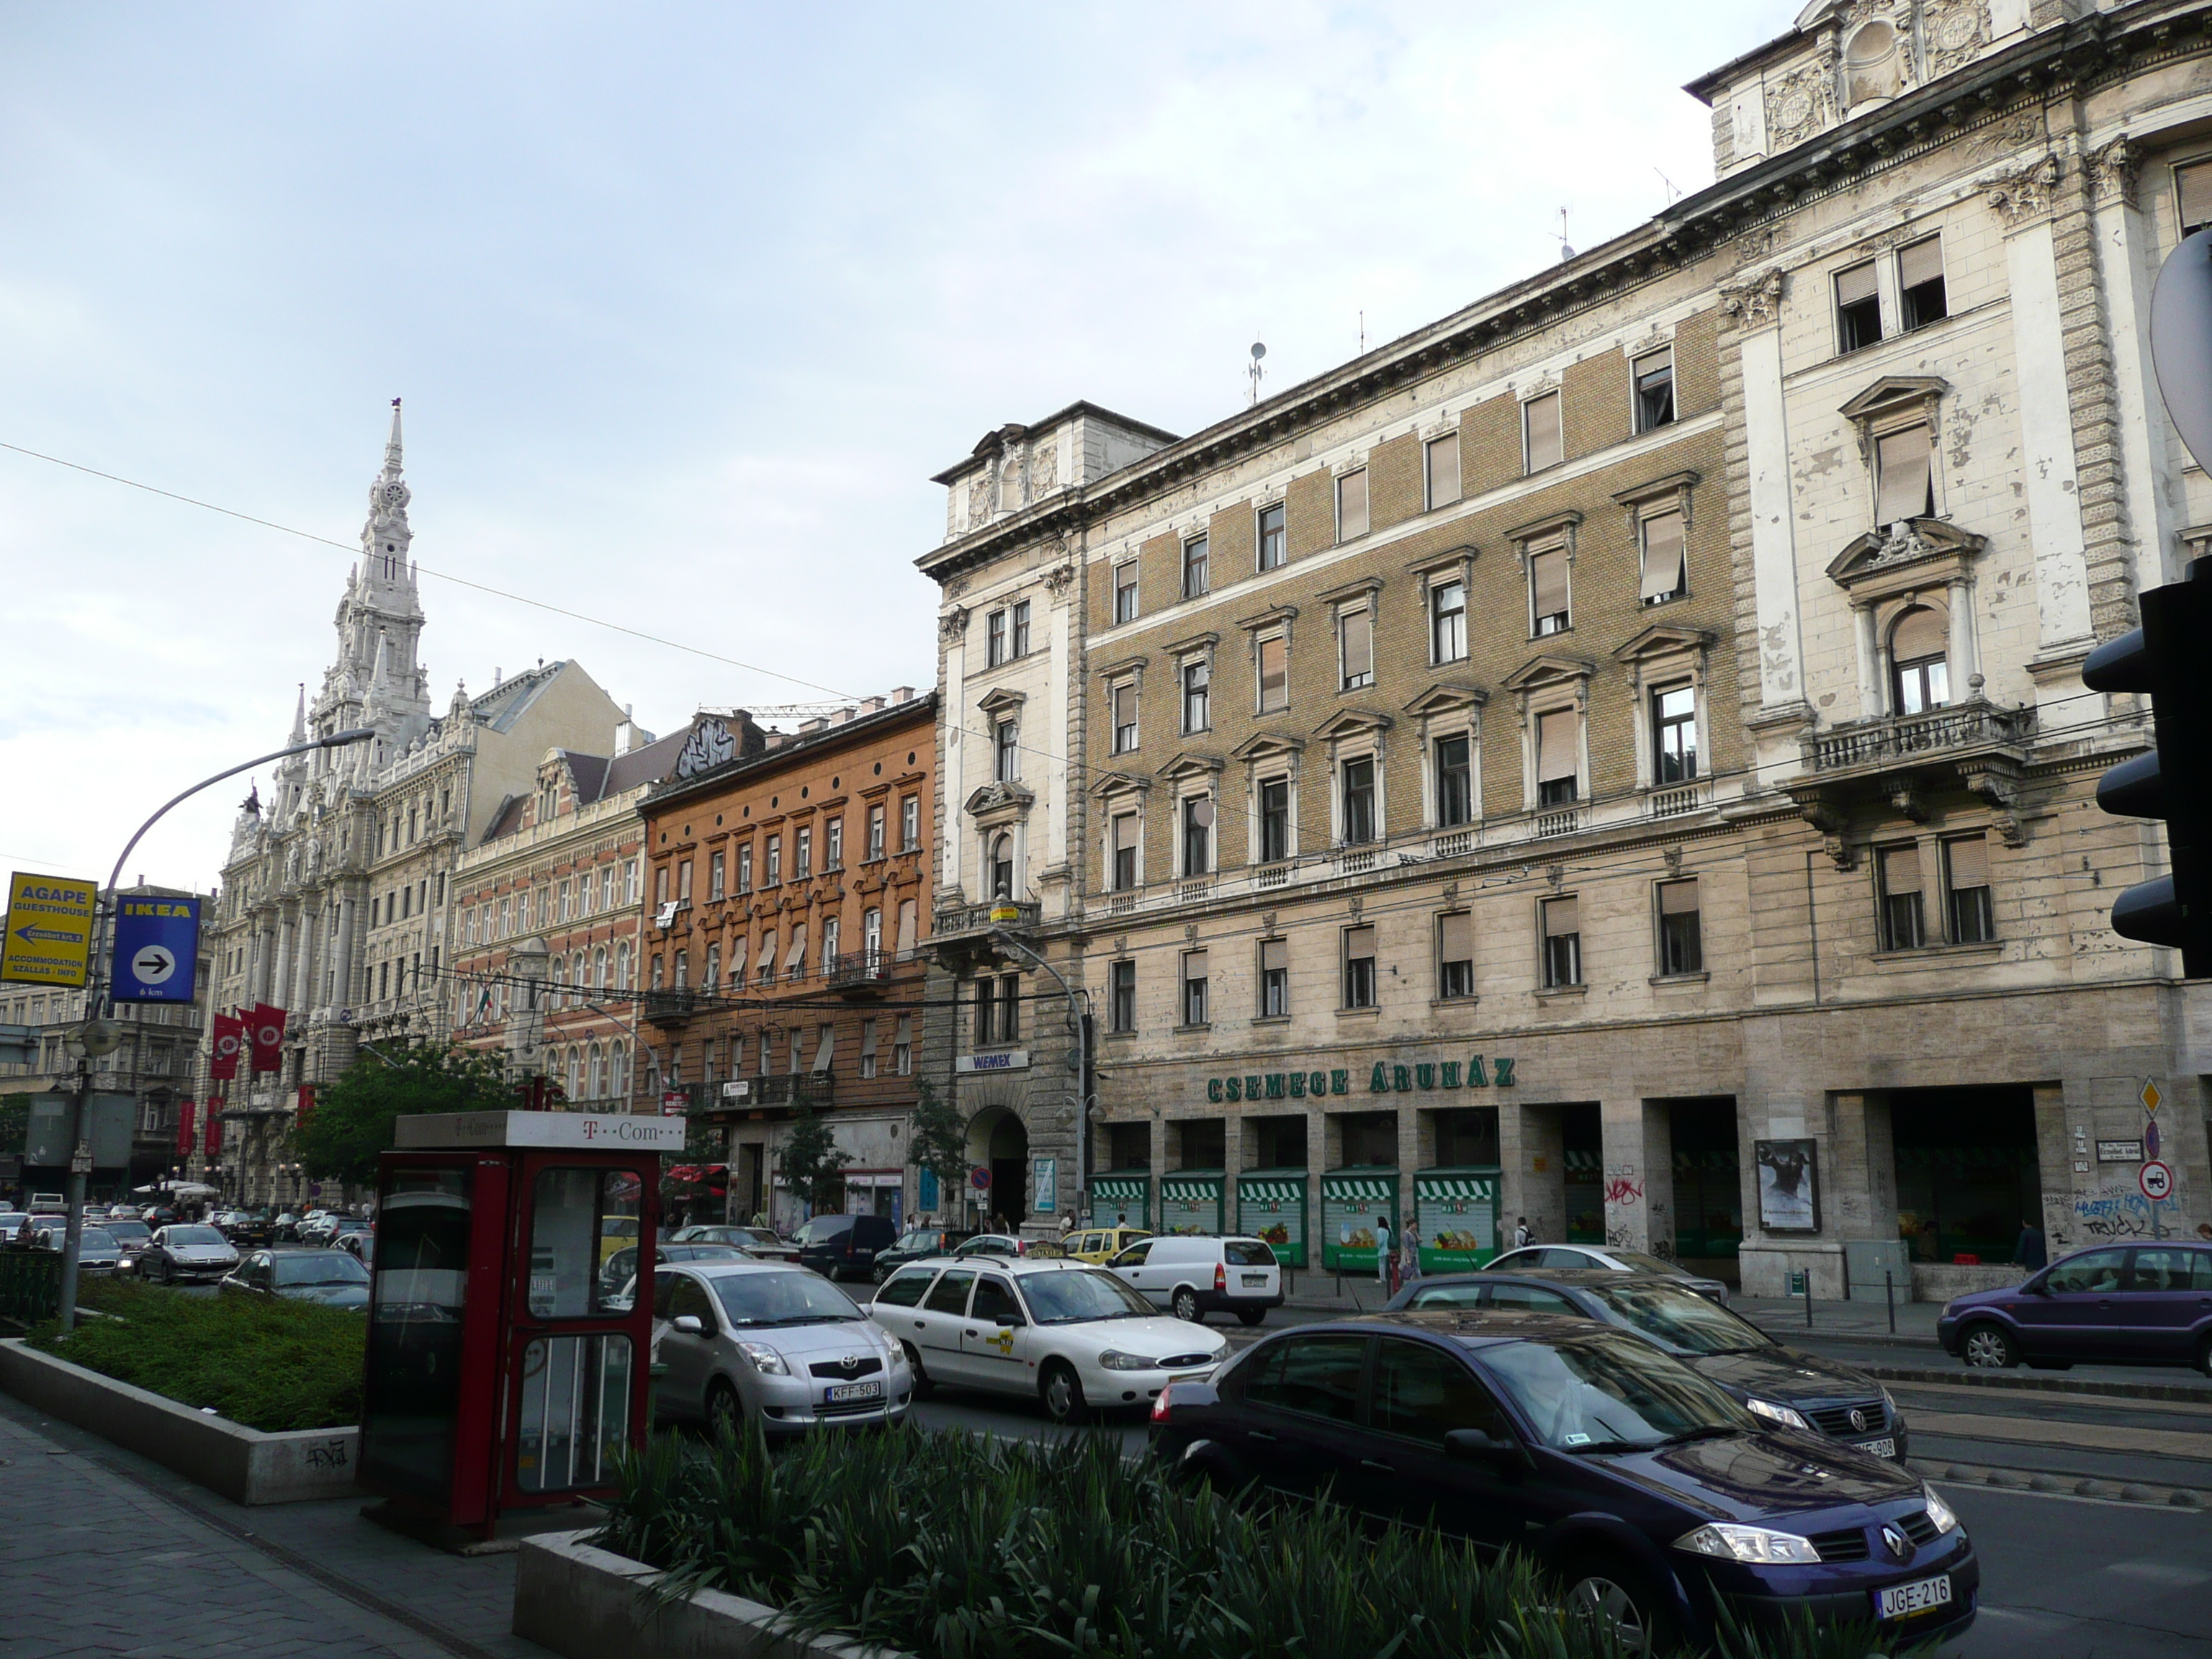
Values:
[(618, 1071), (576, 997), (1002, 867), (599, 1072), (599, 967), (1920, 672), (575, 1074), (621, 967), (653, 1074)]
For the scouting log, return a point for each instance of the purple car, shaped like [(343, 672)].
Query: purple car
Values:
[(2117, 1304)]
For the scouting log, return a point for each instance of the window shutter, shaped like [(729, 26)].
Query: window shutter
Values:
[(1923, 262), (1970, 861), (1548, 575), (1900, 869), (1902, 460), (1351, 506), (825, 1047), (1678, 898), (868, 1038), (1555, 746), (1663, 555), (1456, 938), (1562, 916), (1275, 674), (1358, 643), (1194, 964), (1542, 415), (1855, 285), (908, 910), (797, 954), (1358, 943), (1444, 471), (1919, 635), (1274, 955)]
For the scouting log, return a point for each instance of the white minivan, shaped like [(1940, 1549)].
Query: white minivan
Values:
[(1192, 1277)]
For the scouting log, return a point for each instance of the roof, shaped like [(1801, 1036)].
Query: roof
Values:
[(642, 766), (998, 436), (921, 709), (1715, 79), (503, 705)]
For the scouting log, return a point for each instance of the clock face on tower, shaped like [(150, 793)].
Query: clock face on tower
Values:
[(709, 745)]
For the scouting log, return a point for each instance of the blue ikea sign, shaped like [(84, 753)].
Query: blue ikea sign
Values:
[(157, 943)]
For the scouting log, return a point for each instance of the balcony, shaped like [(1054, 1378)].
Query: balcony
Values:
[(859, 970), (780, 1089), (1899, 761), (1909, 739), (956, 919), (670, 1007)]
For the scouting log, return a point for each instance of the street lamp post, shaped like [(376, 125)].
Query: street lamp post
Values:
[(1079, 1060), (98, 1034)]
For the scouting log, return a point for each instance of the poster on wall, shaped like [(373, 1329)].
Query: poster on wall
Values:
[(1275, 1209), (1789, 1185), (1457, 1216), (1349, 1207), (1048, 1185)]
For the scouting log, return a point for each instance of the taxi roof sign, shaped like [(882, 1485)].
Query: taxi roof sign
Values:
[(50, 927)]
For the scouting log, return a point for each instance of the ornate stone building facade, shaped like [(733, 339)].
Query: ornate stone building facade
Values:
[(1617, 755)]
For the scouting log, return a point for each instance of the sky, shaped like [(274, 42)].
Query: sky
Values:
[(686, 303)]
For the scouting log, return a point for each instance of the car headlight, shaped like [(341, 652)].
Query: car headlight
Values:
[(1115, 1360), (1777, 1413), (766, 1360), (1941, 1513), (1754, 1544)]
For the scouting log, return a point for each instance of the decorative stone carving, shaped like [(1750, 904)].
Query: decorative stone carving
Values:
[(1753, 303), (1830, 823), (1955, 30), (1801, 102), (1908, 802), (1058, 580), (2022, 192), (1044, 469), (953, 623), (979, 499), (2112, 171), (1999, 785)]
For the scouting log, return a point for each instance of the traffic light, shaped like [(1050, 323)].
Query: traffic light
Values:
[(2161, 661)]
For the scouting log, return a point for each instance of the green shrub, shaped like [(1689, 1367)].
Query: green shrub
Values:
[(956, 1546), (261, 1361)]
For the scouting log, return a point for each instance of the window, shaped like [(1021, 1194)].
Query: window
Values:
[(1557, 764), (1194, 987), (1548, 609), (1359, 967), (1274, 820), (1440, 464), (1665, 576), (876, 831), (1563, 943), (745, 868), (831, 926), (1673, 735), (1122, 711), (1351, 506), (1275, 674), (1455, 781), (713, 976), (1423, 1394), (995, 647), (1903, 925), (910, 822), (655, 982), (1654, 391), (1357, 776), (1193, 567), (1122, 1011), (872, 934), (1010, 1007), (1540, 433), (987, 1012), (1311, 1377), (1271, 538), (1020, 644), (1448, 623), (714, 878), (1125, 591), (660, 885), (775, 873), (1274, 978), (867, 1049), (1355, 637), (2193, 187), (1904, 476), (1858, 308), (1005, 750), (1121, 845), (833, 845), (1196, 680), (629, 894), (1456, 955), (1966, 886), (1681, 946), (951, 1296), (902, 1046), (1198, 835), (802, 852), (1920, 283), (1920, 672), (683, 970), (568, 905), (1002, 866)]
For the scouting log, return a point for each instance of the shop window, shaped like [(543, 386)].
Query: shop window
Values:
[(1456, 955), (1194, 987), (1920, 670), (1654, 391), (1275, 655), (1359, 967), (1351, 506), (1673, 735), (1858, 308), (1540, 433), (1357, 785), (1557, 759), (1274, 820), (1920, 283), (1681, 944), (1122, 1001), (1440, 461), (1966, 886), (1563, 943), (1454, 779), (1904, 926), (1273, 542), (1666, 573), (1274, 978)]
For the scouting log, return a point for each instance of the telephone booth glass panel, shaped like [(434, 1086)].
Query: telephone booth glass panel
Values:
[(413, 1397)]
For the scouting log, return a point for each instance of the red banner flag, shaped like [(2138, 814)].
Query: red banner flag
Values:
[(213, 1143), (184, 1128), (306, 1104), (264, 1033), (229, 1044)]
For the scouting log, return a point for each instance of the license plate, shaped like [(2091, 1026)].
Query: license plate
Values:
[(1879, 1448), (855, 1391), (1259, 1279), (1903, 1601)]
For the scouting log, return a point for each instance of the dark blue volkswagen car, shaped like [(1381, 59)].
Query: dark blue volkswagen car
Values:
[(2117, 1304), (1655, 1497)]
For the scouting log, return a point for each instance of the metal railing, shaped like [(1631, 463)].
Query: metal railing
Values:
[(1904, 736), (976, 917), (670, 1005), (856, 967), (30, 1286)]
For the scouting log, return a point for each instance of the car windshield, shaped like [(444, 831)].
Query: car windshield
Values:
[(96, 1238), (133, 1232), (322, 1268), (1069, 1298), (1679, 1320), (1610, 1392), (758, 1236), (194, 1235), (1636, 1261), (783, 1299), (824, 1228)]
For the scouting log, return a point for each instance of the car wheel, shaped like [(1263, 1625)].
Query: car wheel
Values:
[(726, 1412), (1989, 1347), (1061, 1391), (923, 1387), (1186, 1306), (1619, 1601), (1250, 1315)]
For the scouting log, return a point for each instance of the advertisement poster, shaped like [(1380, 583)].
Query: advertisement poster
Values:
[(1457, 1217), (1349, 1206), (1789, 1185), (1190, 1204), (1273, 1208)]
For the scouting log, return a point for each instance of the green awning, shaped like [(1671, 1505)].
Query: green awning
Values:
[(1249, 1191), (1359, 1188), (1455, 1188), (1136, 1187), (1190, 1189)]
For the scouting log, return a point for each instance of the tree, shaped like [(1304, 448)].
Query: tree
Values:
[(811, 1160), (937, 1140), (353, 1118)]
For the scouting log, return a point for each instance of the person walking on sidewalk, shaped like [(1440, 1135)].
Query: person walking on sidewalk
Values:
[(1520, 1239), (1409, 1259), (1383, 1252)]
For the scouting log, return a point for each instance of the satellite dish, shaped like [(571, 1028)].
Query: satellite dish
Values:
[(1258, 351)]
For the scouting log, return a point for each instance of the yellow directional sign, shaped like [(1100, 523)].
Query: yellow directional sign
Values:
[(2151, 1096), (49, 921)]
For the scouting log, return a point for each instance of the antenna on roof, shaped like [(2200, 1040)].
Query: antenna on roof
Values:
[(1673, 191), (1253, 372), (1363, 331), (1566, 249)]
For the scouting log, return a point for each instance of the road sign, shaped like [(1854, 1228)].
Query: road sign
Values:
[(48, 940), (2150, 1138), (2151, 1096), (980, 1178), (157, 943), (2156, 1181), (2181, 342)]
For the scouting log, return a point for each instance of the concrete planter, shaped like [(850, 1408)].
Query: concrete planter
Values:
[(242, 1464), (587, 1603)]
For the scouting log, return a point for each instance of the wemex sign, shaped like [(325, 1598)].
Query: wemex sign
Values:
[(1385, 1077)]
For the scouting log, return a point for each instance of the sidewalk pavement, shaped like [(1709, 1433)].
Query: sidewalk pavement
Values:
[(102, 1552)]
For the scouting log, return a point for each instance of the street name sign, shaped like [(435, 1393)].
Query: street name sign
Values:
[(49, 939), (157, 943)]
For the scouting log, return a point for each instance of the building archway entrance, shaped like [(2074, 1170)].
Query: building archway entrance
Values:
[(998, 1141)]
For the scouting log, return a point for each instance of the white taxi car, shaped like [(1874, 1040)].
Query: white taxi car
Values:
[(1073, 1336)]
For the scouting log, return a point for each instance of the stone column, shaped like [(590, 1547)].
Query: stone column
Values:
[(2056, 1164), (1533, 1183), (1639, 1160), (281, 967), (341, 994)]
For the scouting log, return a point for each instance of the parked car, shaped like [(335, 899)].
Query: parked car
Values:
[(760, 1242), (361, 1245), (2114, 1305), (132, 1237), (186, 1250), (773, 1345), (1099, 1245), (1069, 1336), (97, 1252), (302, 1273), (331, 1229), (121, 1212), (1606, 1258), (918, 1244), (285, 1229), (1781, 1384), (1010, 1245), (621, 1267), (1195, 1276), (844, 1246), (1655, 1497)]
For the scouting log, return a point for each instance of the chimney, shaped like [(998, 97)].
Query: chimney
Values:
[(902, 694), (871, 705), (844, 716), (819, 723)]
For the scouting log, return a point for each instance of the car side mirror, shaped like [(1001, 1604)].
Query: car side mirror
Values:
[(688, 1324), (1007, 1319), (1481, 1446), (2036, 1286)]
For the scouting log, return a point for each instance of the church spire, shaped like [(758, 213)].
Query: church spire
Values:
[(299, 716), (392, 451)]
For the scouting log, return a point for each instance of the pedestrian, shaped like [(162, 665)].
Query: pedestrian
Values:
[(1521, 1236), (1383, 1263), (2029, 1253), (1409, 1259)]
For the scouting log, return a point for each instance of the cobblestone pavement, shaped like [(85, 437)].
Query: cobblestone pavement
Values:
[(102, 1552)]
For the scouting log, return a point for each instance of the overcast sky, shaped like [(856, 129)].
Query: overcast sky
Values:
[(686, 303)]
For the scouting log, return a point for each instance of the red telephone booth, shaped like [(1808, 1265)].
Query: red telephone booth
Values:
[(506, 1367)]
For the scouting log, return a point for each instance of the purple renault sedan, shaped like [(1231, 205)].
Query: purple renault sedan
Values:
[(2114, 1305)]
